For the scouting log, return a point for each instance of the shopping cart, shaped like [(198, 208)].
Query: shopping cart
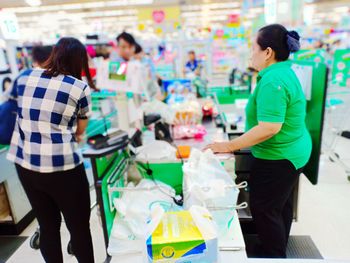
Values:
[(336, 114)]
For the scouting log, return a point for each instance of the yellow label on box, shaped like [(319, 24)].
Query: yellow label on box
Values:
[(176, 236)]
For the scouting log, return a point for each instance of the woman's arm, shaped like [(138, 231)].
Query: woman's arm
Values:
[(81, 126), (260, 133)]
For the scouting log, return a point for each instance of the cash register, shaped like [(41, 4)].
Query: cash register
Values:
[(109, 138)]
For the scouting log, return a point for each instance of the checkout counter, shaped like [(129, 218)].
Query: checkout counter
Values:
[(110, 164), (12, 198)]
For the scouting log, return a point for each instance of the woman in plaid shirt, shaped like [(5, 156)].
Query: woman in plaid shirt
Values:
[(53, 109)]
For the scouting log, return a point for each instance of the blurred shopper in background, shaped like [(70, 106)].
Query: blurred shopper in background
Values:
[(319, 44), (138, 52), (125, 48), (192, 66), (53, 109), (40, 54), (276, 131), (152, 89)]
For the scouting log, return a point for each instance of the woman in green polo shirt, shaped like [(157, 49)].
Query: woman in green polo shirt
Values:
[(277, 134)]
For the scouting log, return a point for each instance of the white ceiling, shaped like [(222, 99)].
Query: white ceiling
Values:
[(22, 3), (83, 16)]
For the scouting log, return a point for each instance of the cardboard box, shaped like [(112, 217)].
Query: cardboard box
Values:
[(4, 203), (178, 237)]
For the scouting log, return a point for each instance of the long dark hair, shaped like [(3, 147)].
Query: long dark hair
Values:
[(69, 57), (279, 39)]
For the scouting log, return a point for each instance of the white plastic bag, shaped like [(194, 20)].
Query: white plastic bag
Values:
[(135, 205), (207, 183), (156, 151), (134, 210), (123, 241)]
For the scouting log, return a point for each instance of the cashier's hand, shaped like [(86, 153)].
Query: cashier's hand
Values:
[(220, 147)]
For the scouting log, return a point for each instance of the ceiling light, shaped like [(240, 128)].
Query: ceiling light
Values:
[(341, 9), (33, 2)]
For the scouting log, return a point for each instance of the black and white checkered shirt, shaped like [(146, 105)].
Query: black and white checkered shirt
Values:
[(48, 109)]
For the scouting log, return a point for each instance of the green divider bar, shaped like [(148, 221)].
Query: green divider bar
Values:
[(228, 95), (116, 179), (315, 55), (99, 125), (103, 163), (103, 94), (230, 99), (96, 126), (219, 91), (3, 146)]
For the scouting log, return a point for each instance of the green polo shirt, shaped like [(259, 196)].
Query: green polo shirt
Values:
[(279, 98)]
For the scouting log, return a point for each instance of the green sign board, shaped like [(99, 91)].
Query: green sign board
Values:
[(117, 71), (341, 67), (316, 55)]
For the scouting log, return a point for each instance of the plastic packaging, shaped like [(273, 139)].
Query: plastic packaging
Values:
[(187, 113), (158, 107), (157, 151), (189, 131)]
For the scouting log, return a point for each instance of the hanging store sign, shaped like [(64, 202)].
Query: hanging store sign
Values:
[(159, 15), (9, 26), (270, 11), (234, 20)]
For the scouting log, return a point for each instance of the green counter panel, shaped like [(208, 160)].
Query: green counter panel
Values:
[(315, 115), (113, 178)]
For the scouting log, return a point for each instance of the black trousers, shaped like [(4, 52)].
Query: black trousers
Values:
[(271, 203), (51, 194)]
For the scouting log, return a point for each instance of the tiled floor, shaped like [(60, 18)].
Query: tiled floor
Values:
[(324, 214)]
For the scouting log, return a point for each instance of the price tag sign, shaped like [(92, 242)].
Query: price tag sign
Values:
[(9, 26)]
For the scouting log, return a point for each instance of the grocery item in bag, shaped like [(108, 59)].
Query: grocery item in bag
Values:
[(184, 236), (156, 151), (4, 203)]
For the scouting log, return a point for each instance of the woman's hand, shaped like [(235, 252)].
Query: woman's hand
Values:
[(220, 147), (260, 133), (79, 138)]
